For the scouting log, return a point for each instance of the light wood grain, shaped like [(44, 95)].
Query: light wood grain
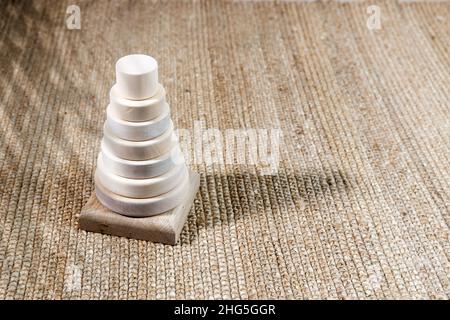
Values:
[(164, 228)]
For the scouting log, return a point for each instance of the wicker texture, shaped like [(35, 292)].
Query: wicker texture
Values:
[(359, 207)]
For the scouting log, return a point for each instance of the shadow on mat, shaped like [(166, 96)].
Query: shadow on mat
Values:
[(222, 200)]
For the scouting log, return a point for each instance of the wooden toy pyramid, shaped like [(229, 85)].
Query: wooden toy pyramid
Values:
[(143, 188)]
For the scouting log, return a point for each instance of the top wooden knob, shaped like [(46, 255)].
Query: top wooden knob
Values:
[(137, 76)]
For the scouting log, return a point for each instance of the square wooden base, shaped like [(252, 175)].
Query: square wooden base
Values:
[(164, 228)]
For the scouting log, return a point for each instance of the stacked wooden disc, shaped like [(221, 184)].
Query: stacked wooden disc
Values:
[(140, 169)]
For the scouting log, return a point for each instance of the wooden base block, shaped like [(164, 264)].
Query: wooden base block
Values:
[(164, 228)]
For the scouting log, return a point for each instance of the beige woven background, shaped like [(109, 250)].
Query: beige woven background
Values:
[(358, 209)]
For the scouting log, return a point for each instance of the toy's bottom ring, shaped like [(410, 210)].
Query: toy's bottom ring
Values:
[(133, 207)]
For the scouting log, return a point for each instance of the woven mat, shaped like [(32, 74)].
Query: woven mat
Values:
[(358, 208)]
